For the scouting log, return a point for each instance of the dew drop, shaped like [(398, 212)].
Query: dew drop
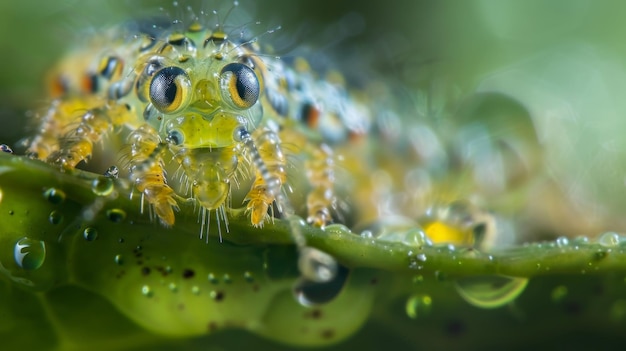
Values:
[(29, 253), (54, 195), (212, 278), (336, 229), (173, 287), (421, 257), (90, 234), (55, 217), (440, 276), (116, 215), (609, 239), (309, 293), (416, 237), (146, 291), (559, 293), (490, 291), (119, 260), (227, 279), (418, 305), (195, 290), (248, 277), (367, 234), (112, 172), (562, 241), (6, 148), (102, 186)]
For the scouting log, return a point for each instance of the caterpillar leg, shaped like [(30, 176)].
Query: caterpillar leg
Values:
[(262, 194), (56, 123), (147, 174), (76, 144), (321, 175)]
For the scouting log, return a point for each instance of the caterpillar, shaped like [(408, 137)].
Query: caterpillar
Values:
[(198, 112)]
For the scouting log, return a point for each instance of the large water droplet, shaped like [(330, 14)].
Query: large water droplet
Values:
[(55, 217), (418, 305), (309, 293), (90, 234), (102, 186), (490, 291), (29, 253), (54, 195), (116, 215), (609, 239)]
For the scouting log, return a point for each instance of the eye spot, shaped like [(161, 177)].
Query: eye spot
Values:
[(170, 90), (239, 85)]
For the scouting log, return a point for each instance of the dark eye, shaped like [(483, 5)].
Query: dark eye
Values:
[(175, 137), (170, 89), (239, 85)]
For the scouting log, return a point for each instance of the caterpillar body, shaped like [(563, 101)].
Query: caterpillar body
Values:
[(206, 106)]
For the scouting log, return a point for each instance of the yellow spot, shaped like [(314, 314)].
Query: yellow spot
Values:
[(440, 232)]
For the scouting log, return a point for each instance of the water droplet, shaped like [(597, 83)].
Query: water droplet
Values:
[(227, 279), (195, 290), (418, 305), (337, 229), (418, 279), (248, 277), (102, 186), (581, 240), (29, 253), (116, 215), (440, 276), (146, 291), (309, 293), (54, 195), (490, 291), (416, 237), (112, 172), (212, 278), (559, 293), (609, 239), (90, 234), (367, 234), (55, 217), (421, 257), (119, 260), (173, 287), (562, 241), (316, 265), (6, 148)]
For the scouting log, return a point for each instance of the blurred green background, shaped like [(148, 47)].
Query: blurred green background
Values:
[(563, 61)]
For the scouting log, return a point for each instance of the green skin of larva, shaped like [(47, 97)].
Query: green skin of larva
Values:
[(161, 279)]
